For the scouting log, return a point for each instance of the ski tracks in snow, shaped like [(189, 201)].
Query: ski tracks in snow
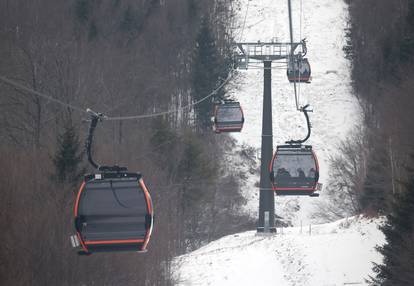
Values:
[(292, 258)]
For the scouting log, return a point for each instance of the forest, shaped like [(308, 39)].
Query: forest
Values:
[(120, 58)]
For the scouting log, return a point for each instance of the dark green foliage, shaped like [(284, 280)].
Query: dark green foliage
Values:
[(406, 49), (410, 16), (195, 170), (377, 194), (93, 31), (115, 3), (68, 157), (192, 8), (398, 264), (209, 70), (83, 10), (132, 21), (406, 45), (163, 143)]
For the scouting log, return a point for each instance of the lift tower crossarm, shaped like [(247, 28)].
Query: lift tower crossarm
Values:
[(265, 51)]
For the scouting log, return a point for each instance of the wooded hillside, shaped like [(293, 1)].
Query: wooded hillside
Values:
[(381, 47), (121, 58)]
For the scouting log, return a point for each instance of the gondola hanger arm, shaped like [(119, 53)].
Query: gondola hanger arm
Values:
[(95, 117), (305, 111)]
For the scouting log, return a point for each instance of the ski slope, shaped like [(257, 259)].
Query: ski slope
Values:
[(336, 111), (339, 253), (332, 254)]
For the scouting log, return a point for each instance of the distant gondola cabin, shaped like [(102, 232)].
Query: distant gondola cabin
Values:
[(113, 212), (294, 170), (228, 117), (299, 70)]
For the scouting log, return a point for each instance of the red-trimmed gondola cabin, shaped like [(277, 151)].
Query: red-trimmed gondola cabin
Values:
[(299, 70), (113, 212), (228, 117), (294, 170)]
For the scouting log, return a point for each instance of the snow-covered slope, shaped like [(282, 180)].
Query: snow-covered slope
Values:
[(336, 111), (339, 253)]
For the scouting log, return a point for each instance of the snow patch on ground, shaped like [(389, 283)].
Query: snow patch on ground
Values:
[(331, 254)]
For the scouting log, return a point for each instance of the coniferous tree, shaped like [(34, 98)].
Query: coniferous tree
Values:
[(196, 171), (163, 144), (398, 264), (376, 195), (68, 157), (208, 72)]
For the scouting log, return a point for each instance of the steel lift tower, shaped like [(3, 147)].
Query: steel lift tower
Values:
[(266, 53)]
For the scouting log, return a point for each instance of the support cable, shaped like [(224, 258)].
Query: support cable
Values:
[(88, 111), (174, 110), (244, 21), (300, 62), (291, 55), (32, 91)]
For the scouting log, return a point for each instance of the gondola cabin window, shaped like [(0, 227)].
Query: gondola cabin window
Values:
[(232, 114), (294, 171)]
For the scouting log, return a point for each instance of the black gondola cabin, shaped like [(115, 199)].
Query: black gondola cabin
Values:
[(228, 117), (294, 170), (113, 212), (299, 70)]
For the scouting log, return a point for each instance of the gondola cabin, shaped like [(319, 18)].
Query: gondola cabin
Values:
[(299, 70), (113, 212), (294, 170), (228, 117)]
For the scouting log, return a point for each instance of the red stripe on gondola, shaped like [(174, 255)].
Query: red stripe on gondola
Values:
[(76, 214), (147, 195), (119, 241), (293, 189), (238, 127), (77, 198), (81, 242), (150, 211), (299, 79)]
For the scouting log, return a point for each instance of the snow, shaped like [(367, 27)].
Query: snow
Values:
[(336, 110), (333, 254), (339, 253)]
